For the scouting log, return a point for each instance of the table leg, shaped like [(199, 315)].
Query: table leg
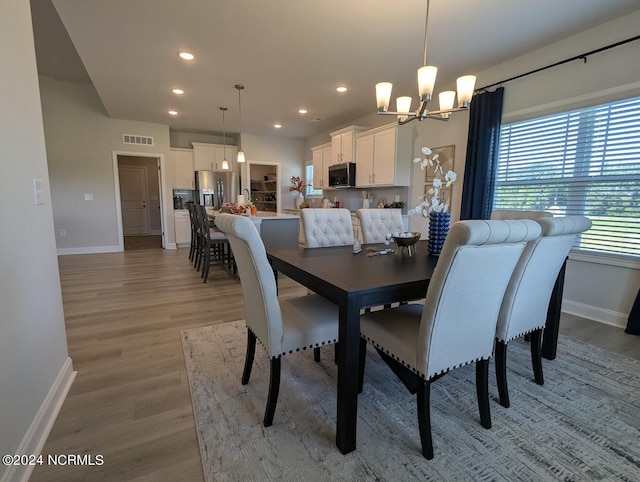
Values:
[(348, 352), (552, 326)]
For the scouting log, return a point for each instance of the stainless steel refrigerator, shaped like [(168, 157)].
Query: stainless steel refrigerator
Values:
[(216, 188)]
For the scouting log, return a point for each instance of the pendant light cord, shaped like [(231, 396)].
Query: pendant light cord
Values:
[(224, 135), (240, 111)]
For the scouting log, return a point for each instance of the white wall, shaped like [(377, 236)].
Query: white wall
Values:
[(80, 141), (603, 292), (288, 152), (33, 348)]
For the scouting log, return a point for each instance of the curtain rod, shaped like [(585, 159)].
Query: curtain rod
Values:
[(582, 57)]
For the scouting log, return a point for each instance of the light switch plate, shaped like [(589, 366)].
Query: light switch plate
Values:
[(38, 191), (88, 197)]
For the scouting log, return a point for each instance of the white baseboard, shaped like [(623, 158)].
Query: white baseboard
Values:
[(36, 436), (595, 313), (89, 250), (171, 246)]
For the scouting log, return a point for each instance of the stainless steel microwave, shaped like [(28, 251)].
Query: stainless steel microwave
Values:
[(342, 175)]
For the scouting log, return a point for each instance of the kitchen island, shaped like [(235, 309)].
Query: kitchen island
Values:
[(278, 231)]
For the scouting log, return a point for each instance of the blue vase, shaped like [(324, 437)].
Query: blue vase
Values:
[(438, 229)]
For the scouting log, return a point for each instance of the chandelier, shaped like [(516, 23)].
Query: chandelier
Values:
[(426, 81)]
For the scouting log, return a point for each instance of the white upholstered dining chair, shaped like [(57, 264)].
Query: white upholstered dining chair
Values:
[(281, 326), (326, 227), (377, 223), (524, 308), (456, 326)]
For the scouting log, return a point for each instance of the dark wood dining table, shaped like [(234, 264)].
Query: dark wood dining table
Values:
[(355, 281)]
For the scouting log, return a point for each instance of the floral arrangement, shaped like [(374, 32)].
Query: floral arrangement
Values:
[(248, 205), (298, 184), (441, 180)]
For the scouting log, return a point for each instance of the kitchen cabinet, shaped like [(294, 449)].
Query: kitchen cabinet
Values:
[(383, 156), (321, 162), (208, 157), (183, 177), (182, 226), (343, 147)]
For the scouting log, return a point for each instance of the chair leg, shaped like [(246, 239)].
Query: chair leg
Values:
[(362, 358), (424, 418), (192, 249), (501, 373), (248, 359), (536, 356), (207, 264), (316, 354), (482, 390), (274, 388)]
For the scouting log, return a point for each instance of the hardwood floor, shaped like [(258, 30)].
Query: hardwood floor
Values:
[(142, 242), (130, 402)]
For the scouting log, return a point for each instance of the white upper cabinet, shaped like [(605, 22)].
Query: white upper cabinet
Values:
[(203, 155), (383, 156), (208, 157), (321, 161), (343, 147), (183, 177)]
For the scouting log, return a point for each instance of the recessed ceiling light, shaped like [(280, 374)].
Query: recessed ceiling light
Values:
[(172, 112), (341, 89), (178, 91), (277, 126), (302, 111), (186, 55)]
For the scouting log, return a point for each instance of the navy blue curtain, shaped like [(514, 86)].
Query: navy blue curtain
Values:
[(633, 324), (483, 145)]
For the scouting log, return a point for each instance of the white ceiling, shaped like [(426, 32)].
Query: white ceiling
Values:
[(288, 53)]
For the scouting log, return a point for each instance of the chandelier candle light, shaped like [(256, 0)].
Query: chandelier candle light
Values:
[(426, 82)]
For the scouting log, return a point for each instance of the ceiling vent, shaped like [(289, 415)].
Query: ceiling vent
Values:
[(138, 140)]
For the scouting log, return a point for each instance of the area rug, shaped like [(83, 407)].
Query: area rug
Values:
[(583, 424)]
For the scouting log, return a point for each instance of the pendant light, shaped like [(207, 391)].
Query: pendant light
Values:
[(225, 163), (240, 151)]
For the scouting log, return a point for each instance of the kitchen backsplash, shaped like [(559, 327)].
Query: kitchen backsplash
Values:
[(351, 199)]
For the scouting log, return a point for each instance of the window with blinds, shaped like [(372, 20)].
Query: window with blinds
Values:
[(581, 162)]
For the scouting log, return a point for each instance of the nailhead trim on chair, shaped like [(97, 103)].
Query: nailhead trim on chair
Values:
[(521, 334), (273, 357), (420, 374)]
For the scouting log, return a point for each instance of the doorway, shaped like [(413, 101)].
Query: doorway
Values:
[(264, 183), (140, 201)]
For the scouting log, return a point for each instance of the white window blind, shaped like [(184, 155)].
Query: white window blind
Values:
[(580, 162)]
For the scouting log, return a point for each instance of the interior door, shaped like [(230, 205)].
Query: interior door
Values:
[(133, 199)]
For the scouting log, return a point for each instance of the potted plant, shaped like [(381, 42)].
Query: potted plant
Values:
[(299, 186), (436, 208)]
